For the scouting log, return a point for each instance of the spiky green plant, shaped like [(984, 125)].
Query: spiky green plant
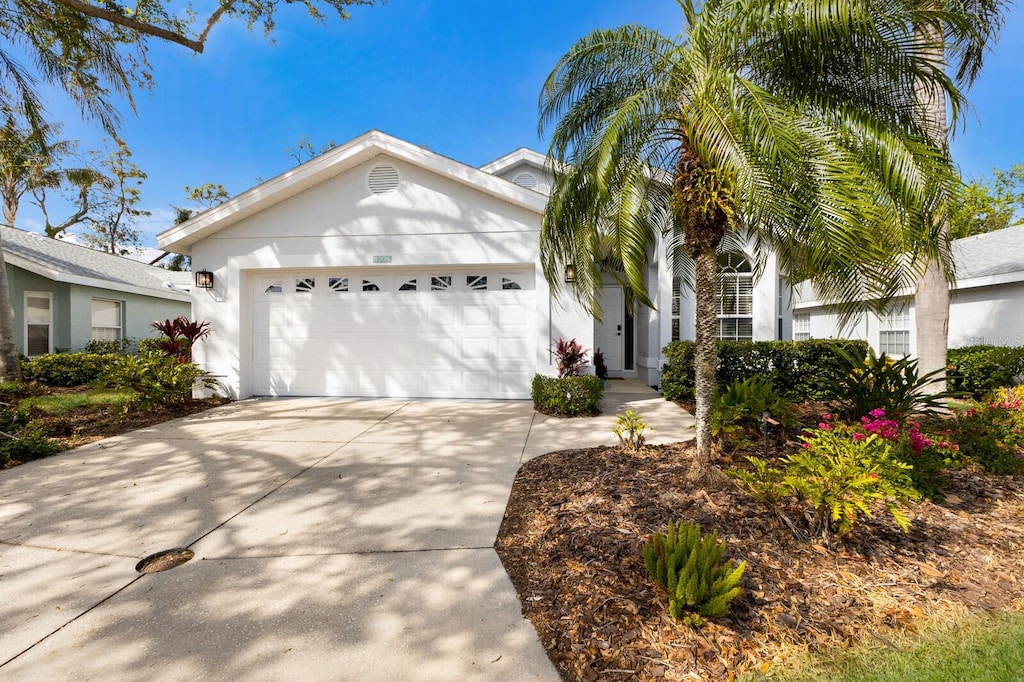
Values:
[(630, 427), (691, 569)]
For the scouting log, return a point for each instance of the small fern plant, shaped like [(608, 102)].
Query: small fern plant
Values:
[(630, 427), (689, 566)]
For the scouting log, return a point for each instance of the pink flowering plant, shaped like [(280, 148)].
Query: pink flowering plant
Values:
[(912, 443), (991, 432)]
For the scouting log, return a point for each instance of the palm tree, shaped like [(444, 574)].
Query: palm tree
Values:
[(971, 26), (795, 125)]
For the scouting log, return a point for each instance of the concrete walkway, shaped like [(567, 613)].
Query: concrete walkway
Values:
[(335, 539)]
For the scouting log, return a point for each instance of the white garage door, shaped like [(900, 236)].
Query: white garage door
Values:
[(437, 332)]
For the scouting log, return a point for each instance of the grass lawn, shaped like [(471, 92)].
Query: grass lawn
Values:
[(61, 403), (989, 648)]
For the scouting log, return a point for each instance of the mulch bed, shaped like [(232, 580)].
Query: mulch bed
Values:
[(87, 424), (576, 521)]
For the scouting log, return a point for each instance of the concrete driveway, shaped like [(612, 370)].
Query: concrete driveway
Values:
[(334, 539)]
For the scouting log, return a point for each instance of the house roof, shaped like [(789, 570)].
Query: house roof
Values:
[(330, 164), (981, 260), (989, 255), (63, 261), (519, 156)]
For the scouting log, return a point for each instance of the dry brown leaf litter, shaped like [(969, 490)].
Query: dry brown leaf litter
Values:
[(576, 520)]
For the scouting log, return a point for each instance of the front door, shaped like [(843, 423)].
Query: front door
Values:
[(610, 332)]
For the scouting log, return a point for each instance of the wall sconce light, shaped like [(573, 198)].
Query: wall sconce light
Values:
[(570, 274), (204, 279)]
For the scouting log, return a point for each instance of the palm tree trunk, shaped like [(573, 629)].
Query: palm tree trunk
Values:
[(931, 303), (705, 358), (10, 367)]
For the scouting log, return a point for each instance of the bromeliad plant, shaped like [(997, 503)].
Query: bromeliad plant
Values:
[(691, 569), (881, 382), (179, 335)]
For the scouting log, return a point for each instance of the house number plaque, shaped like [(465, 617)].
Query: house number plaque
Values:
[(381, 259)]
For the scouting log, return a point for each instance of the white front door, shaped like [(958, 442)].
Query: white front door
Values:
[(610, 332)]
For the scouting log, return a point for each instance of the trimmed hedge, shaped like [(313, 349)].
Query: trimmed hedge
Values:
[(798, 370), (980, 369), (572, 396), (65, 369)]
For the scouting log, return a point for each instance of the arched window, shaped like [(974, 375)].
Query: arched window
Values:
[(735, 297)]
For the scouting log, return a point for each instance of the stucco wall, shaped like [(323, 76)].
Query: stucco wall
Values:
[(987, 315), (428, 220), (137, 313), (71, 307)]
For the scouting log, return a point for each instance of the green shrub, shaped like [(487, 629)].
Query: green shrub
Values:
[(740, 406), (64, 369), (157, 379), (691, 569), (838, 477), (980, 369), (797, 369), (28, 445), (629, 428), (151, 346), (880, 382), (13, 390), (571, 396), (991, 433), (126, 346)]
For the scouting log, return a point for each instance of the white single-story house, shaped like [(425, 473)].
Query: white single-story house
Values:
[(381, 268), (64, 295), (985, 302)]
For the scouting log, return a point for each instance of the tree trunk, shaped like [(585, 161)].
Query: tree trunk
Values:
[(705, 358), (10, 366), (931, 303), (931, 309)]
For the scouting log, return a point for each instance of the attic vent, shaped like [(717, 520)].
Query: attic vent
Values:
[(525, 180), (383, 179)]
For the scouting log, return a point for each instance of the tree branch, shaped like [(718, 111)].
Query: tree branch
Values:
[(141, 26)]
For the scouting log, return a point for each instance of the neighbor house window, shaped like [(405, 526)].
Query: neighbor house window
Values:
[(801, 326), (894, 333), (735, 298), (106, 320), (38, 323)]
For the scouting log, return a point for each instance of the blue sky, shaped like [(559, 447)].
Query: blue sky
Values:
[(458, 76)]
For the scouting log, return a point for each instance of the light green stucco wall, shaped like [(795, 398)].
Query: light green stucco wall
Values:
[(138, 313), (71, 306)]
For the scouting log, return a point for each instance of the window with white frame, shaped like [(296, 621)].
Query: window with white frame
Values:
[(38, 323), (677, 304), (894, 333), (801, 326), (106, 320), (735, 298)]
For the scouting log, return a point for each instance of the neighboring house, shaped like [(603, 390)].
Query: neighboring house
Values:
[(381, 268), (985, 302), (64, 295)]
